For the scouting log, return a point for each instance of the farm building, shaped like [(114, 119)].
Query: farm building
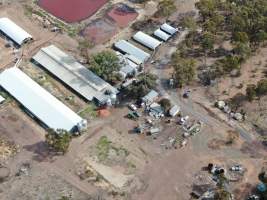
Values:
[(150, 97), (76, 76), (162, 35), (156, 110), (128, 68), (146, 40), (168, 29), (138, 55), (40, 103), (11, 30)]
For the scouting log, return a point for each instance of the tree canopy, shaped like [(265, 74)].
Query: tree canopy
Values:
[(106, 64), (145, 82), (258, 90), (184, 70), (59, 140), (166, 104), (166, 8)]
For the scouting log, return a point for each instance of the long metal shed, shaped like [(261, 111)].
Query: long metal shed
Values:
[(40, 103), (168, 29), (75, 75), (13, 31), (132, 50), (146, 40), (162, 35)]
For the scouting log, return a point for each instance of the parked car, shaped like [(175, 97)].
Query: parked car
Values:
[(217, 170), (236, 168), (183, 120), (186, 94), (253, 197), (132, 107)]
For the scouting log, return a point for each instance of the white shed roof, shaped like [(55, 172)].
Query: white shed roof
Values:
[(168, 29), (132, 50), (13, 31), (162, 35), (146, 40), (38, 101), (174, 110), (2, 99), (75, 75)]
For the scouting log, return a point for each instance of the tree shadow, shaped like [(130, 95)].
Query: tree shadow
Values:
[(41, 152)]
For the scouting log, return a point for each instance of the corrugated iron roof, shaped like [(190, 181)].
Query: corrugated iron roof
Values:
[(146, 40), (75, 75), (162, 35), (168, 29), (132, 50), (12, 30), (38, 101)]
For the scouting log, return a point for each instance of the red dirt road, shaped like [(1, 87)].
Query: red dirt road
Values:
[(72, 10)]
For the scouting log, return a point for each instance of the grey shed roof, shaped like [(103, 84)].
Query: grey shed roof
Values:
[(132, 50), (146, 40), (38, 101), (133, 59), (127, 69), (156, 108), (13, 31), (151, 96), (162, 35), (168, 29), (72, 73)]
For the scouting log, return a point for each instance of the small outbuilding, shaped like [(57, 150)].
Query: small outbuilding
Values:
[(150, 97), (127, 71), (129, 68), (146, 40), (11, 30), (174, 111), (168, 29), (156, 110)]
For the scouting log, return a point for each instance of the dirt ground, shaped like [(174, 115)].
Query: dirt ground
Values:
[(38, 181), (135, 166), (6, 55)]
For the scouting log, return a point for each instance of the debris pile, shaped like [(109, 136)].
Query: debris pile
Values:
[(214, 179), (222, 105)]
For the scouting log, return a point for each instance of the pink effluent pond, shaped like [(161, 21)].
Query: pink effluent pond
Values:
[(72, 10)]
